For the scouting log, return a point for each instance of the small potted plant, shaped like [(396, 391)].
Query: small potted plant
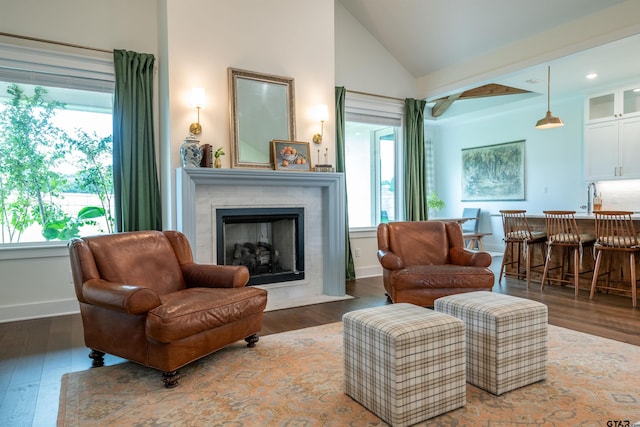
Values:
[(434, 202), (217, 163)]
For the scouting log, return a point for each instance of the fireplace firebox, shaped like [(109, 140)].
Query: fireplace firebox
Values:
[(268, 241)]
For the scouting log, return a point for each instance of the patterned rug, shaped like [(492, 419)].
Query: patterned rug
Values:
[(295, 379)]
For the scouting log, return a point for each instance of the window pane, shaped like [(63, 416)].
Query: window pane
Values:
[(371, 173), (55, 163)]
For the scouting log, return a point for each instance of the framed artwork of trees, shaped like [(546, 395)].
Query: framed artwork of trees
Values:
[(493, 172)]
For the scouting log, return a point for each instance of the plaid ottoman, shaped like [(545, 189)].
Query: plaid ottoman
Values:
[(404, 363), (506, 338)]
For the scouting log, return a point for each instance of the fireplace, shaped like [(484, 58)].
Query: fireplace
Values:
[(268, 241), (203, 191)]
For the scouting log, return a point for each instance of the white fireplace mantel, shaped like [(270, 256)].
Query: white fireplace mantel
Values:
[(189, 181)]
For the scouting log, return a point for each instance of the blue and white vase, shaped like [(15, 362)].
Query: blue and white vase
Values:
[(191, 152)]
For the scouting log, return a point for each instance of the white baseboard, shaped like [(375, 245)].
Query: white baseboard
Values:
[(370, 271), (12, 313)]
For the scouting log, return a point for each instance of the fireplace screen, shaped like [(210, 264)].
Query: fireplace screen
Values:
[(268, 241)]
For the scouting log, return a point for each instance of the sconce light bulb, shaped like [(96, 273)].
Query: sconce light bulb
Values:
[(198, 97), (323, 112)]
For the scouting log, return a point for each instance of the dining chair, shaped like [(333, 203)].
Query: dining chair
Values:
[(563, 234), (615, 233), (472, 237), (520, 240)]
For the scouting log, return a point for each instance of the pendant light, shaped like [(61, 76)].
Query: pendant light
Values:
[(549, 121)]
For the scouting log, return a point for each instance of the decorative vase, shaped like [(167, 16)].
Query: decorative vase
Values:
[(217, 163), (191, 152)]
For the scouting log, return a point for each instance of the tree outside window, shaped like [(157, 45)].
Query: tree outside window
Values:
[(45, 167)]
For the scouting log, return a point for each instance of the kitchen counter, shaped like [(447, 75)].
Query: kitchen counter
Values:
[(586, 224), (581, 215)]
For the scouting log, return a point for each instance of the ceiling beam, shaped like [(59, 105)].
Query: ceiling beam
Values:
[(443, 104), (492, 89)]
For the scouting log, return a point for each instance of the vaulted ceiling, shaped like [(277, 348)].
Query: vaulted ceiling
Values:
[(427, 36)]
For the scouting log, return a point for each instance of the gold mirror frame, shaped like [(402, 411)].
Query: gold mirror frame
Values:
[(261, 109)]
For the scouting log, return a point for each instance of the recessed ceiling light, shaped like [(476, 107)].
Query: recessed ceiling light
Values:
[(592, 76)]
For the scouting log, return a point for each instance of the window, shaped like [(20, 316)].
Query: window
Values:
[(373, 156), (55, 145)]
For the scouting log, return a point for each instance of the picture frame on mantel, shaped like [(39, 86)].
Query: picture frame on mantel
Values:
[(261, 109), (493, 172), (291, 155)]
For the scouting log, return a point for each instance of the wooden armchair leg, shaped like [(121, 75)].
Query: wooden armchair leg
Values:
[(97, 357), (170, 379), (252, 340)]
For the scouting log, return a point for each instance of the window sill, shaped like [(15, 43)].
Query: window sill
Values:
[(34, 250), (363, 232)]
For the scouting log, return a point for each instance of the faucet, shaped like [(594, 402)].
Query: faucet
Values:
[(592, 185)]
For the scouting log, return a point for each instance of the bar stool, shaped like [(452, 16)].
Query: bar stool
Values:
[(519, 237), (563, 232), (615, 233)]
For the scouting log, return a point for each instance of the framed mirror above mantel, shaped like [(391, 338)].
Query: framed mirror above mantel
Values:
[(261, 109)]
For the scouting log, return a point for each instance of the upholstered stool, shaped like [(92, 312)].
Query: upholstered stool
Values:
[(404, 363), (506, 338)]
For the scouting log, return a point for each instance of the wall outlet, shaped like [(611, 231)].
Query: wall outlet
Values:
[(356, 252)]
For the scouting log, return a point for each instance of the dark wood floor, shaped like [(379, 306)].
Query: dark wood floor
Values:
[(34, 354)]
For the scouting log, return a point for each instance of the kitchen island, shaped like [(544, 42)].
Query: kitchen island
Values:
[(586, 224)]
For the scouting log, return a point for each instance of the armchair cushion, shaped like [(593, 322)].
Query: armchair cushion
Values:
[(195, 310), (424, 260)]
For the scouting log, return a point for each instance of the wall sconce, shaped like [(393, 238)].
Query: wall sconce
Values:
[(322, 113), (197, 100)]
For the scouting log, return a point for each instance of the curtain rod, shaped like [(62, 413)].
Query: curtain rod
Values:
[(35, 39), (373, 94)]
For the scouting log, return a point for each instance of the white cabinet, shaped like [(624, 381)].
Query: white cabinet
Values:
[(615, 104), (612, 150)]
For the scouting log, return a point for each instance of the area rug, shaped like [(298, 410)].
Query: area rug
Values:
[(295, 379)]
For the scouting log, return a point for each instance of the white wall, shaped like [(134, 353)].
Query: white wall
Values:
[(363, 64), (286, 38), (553, 159)]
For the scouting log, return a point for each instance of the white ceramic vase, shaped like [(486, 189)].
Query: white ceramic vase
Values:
[(191, 152)]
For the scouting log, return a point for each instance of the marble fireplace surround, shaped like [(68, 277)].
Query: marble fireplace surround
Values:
[(200, 191)]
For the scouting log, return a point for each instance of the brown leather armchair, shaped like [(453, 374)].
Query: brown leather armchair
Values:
[(425, 260), (143, 298)]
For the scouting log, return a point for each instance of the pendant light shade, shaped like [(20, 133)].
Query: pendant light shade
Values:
[(549, 120)]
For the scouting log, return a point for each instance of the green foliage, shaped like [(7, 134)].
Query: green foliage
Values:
[(96, 174), (434, 202), (219, 152), (30, 187), (66, 227)]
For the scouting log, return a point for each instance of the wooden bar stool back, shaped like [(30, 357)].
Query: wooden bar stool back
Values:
[(616, 233), (563, 232), (519, 241)]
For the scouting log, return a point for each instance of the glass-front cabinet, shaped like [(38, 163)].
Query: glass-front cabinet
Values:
[(614, 104)]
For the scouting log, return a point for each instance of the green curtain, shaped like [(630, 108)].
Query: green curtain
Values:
[(350, 270), (136, 190), (415, 173)]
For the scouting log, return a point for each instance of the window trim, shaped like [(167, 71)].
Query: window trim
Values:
[(54, 68)]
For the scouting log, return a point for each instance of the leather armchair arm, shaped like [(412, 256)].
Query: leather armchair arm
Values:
[(463, 256), (120, 297), (214, 276), (389, 260)]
